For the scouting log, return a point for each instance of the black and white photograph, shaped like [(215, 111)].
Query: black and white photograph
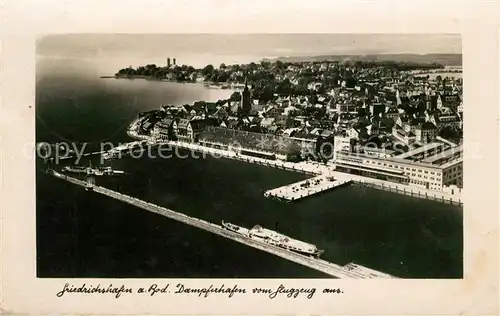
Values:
[(249, 156)]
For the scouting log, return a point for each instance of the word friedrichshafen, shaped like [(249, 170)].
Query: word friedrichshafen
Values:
[(91, 289)]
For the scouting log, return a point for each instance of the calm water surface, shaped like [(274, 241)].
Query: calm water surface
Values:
[(82, 234)]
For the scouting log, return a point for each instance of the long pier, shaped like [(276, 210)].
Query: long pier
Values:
[(351, 270), (75, 155)]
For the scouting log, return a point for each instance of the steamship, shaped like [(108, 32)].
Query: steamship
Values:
[(274, 238)]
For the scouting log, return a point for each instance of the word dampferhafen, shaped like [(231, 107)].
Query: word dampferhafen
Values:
[(180, 288), (91, 289)]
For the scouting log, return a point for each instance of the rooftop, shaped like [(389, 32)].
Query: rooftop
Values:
[(396, 159), (447, 154), (420, 150)]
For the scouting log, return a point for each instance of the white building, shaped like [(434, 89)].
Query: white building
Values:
[(433, 172)]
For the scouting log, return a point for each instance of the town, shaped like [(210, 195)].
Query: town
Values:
[(395, 126), (399, 122)]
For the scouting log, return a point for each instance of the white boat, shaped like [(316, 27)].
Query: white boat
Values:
[(92, 171), (274, 238)]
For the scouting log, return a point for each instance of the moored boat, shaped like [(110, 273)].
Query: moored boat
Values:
[(92, 171), (274, 238)]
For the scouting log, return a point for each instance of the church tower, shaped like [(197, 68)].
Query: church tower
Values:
[(246, 102), (398, 98)]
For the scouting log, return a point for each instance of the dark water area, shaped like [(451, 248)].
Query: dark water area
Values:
[(84, 234)]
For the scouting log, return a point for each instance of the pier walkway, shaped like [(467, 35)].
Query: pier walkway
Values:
[(348, 271), (303, 167), (73, 156)]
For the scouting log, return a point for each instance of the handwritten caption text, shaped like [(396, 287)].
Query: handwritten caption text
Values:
[(204, 292)]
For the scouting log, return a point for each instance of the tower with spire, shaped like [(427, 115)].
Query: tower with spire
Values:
[(398, 98), (246, 102)]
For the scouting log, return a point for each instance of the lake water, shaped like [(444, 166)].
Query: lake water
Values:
[(83, 234)]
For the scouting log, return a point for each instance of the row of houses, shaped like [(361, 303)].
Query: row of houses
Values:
[(435, 168), (179, 129), (404, 128), (292, 142)]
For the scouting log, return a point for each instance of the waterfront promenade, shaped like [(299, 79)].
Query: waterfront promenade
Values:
[(351, 270)]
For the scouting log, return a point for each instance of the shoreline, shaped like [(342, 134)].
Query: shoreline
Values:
[(207, 84)]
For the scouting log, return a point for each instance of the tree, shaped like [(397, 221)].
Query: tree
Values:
[(350, 82), (222, 76), (321, 89), (207, 71), (319, 113), (252, 66), (313, 98), (236, 96), (362, 112), (130, 71), (222, 66), (267, 93), (284, 87)]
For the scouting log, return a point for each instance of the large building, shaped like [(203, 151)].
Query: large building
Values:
[(250, 143), (433, 172)]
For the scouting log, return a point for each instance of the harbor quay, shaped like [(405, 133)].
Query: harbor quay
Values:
[(328, 170), (350, 270), (413, 191), (314, 169)]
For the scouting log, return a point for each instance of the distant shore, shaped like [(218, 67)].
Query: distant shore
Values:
[(208, 84), (131, 77)]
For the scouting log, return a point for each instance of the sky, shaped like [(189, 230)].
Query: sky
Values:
[(199, 49)]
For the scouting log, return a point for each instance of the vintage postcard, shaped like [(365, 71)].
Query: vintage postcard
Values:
[(202, 164)]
